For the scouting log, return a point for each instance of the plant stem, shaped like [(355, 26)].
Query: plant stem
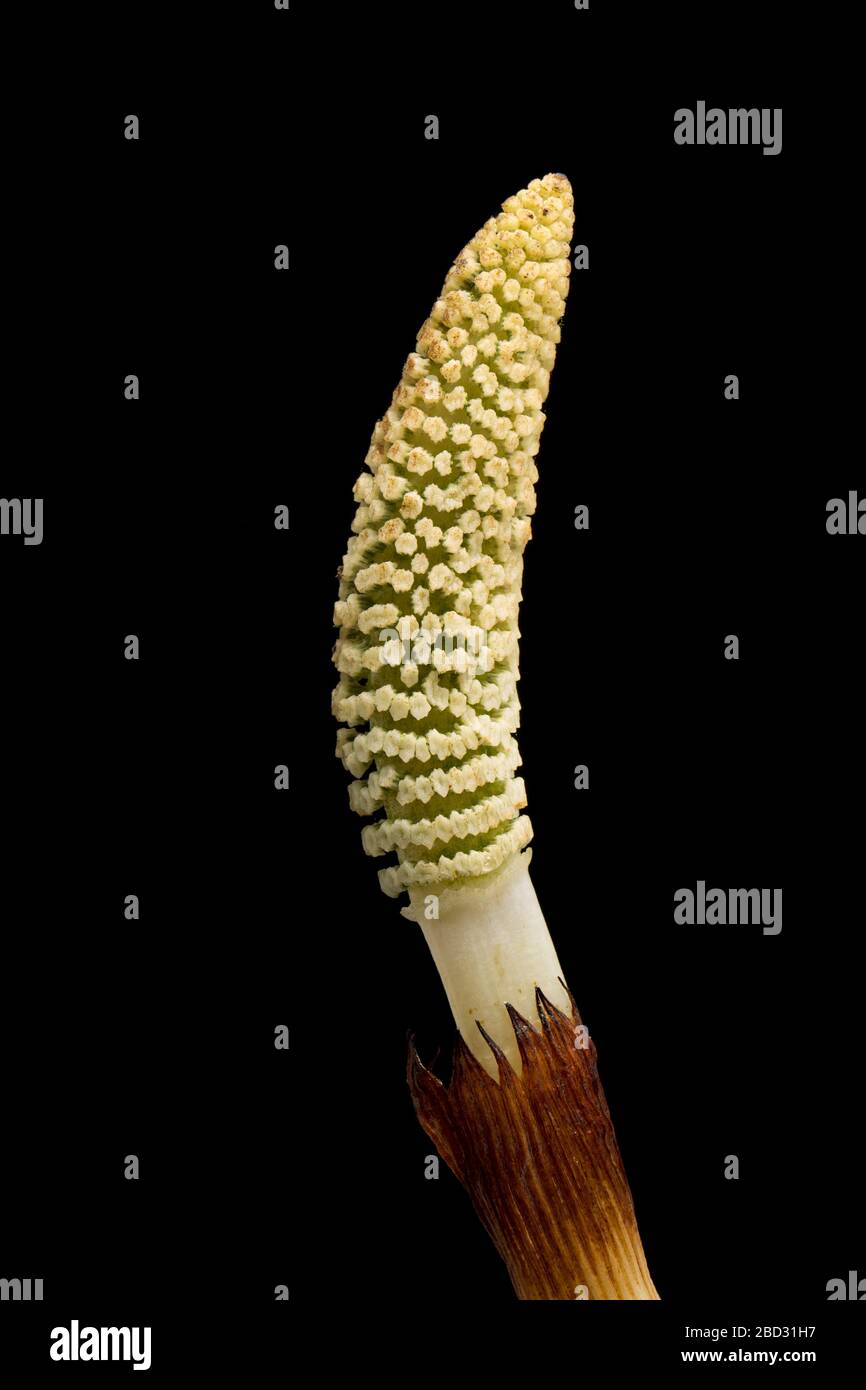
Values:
[(524, 1123), (492, 947)]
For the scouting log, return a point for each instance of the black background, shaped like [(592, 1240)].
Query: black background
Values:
[(707, 517)]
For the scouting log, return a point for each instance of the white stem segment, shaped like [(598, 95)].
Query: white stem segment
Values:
[(492, 947)]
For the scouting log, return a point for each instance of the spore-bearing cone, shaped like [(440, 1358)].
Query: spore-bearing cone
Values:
[(538, 1156)]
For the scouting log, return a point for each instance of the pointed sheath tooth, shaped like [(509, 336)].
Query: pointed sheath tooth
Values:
[(431, 579), (523, 1032), (507, 1074)]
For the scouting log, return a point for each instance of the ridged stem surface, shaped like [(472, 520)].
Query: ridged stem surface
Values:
[(538, 1156)]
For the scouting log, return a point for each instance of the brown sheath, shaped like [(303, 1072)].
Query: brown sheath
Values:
[(538, 1156)]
